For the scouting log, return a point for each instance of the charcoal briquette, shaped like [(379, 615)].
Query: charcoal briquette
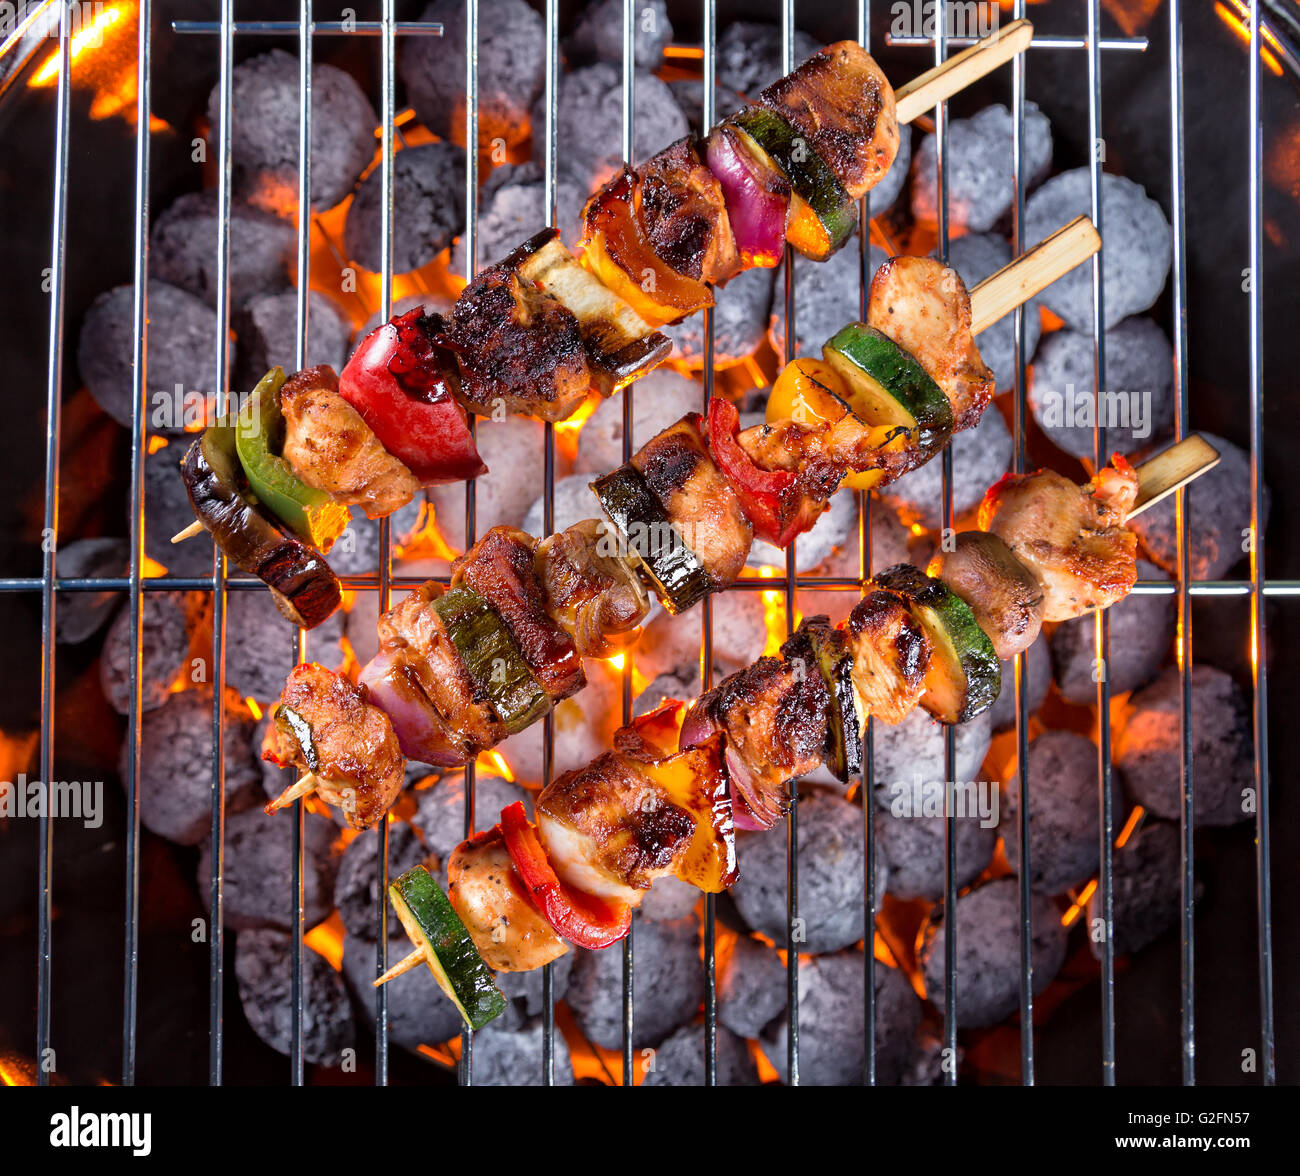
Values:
[(82, 614), (751, 986), (168, 619), (679, 1060), (356, 888), (740, 317), (827, 297)]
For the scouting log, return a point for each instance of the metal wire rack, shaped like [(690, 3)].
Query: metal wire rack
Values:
[(386, 31)]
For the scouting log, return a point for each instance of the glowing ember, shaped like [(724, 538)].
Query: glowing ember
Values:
[(495, 763), (327, 939)]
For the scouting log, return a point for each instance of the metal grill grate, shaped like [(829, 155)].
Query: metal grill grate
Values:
[(386, 30)]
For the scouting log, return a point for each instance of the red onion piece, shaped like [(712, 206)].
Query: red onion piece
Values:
[(757, 199), (421, 733), (696, 728)]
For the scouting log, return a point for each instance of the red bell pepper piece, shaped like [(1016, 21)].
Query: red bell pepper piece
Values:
[(404, 386), (774, 501), (582, 919)]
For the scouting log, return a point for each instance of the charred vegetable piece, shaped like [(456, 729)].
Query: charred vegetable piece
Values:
[(405, 386), (647, 533), (1004, 595), (964, 675), (816, 641), (309, 513), (492, 657), (757, 195), (620, 344), (822, 214), (304, 588), (432, 925)]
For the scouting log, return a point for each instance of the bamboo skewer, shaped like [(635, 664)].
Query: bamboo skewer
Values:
[(1162, 475), (923, 93), (188, 532), (304, 786), (1018, 281), (405, 964)]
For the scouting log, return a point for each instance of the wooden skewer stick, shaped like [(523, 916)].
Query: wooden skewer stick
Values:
[(1016, 283), (414, 960), (188, 533), (922, 93), (303, 787), (1163, 474)]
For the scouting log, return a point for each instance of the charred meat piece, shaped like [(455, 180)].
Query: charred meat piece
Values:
[(331, 448), (1071, 537), (325, 725), (517, 346), (620, 344), (924, 307), (501, 567), (1004, 595), (591, 592), (610, 830), (492, 902), (842, 102), (891, 654), (684, 215), (697, 499)]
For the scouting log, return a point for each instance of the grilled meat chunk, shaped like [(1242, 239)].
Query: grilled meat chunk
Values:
[(891, 653), (842, 102), (590, 591), (611, 830), (331, 448), (1004, 595), (697, 498), (325, 725), (1071, 537), (924, 307), (492, 902), (501, 567), (684, 215), (517, 345)]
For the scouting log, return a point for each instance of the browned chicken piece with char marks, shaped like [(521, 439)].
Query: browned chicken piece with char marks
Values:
[(331, 448), (414, 632), (891, 654), (492, 902), (841, 100), (325, 725), (924, 307), (610, 830), (501, 567), (1071, 537), (697, 498), (684, 215), (517, 346), (591, 592)]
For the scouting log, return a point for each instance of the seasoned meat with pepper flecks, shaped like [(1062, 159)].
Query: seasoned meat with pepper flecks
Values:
[(684, 215), (891, 653)]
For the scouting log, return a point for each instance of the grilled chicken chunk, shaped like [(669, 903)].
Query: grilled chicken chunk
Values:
[(590, 591), (697, 498), (519, 348), (1071, 537), (492, 902), (891, 653), (684, 216), (610, 830), (1004, 595), (825, 451), (841, 100), (501, 567), (924, 307), (331, 448), (325, 726)]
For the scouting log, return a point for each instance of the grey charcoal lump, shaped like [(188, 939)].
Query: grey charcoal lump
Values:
[(1147, 750), (419, 1012), (1147, 888), (82, 614), (1139, 246), (264, 973), (599, 32), (440, 809), (264, 144), (513, 1057), (988, 952), (914, 848), (168, 619), (749, 55), (680, 1061), (751, 987), (739, 321), (260, 645), (1137, 408), (1141, 632), (830, 876), (1063, 812), (511, 70), (978, 161), (356, 889), (827, 296), (267, 328), (913, 751), (661, 398), (1002, 714), (428, 208)]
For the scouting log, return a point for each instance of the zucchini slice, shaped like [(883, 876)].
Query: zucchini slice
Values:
[(888, 386), (822, 215), (965, 675), (679, 577), (828, 647), (435, 929), (492, 657)]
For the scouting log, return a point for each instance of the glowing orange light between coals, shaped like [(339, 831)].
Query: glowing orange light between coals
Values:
[(774, 612), (495, 763), (326, 939), (1237, 18)]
